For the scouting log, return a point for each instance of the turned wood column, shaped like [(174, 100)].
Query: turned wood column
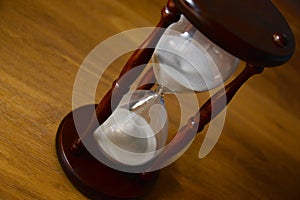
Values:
[(139, 58), (204, 115)]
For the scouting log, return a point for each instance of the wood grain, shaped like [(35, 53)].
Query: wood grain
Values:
[(43, 43)]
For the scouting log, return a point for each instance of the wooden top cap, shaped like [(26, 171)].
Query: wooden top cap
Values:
[(252, 30)]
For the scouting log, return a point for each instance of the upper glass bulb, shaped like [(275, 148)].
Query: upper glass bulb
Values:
[(187, 60)]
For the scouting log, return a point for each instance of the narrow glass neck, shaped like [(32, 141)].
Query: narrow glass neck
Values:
[(159, 89)]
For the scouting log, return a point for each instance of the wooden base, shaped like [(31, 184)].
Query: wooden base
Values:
[(91, 177)]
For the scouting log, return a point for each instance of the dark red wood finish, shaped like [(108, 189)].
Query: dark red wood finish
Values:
[(87, 174), (140, 57), (202, 117), (91, 177), (252, 30)]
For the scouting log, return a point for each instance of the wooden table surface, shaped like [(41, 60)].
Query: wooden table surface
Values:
[(43, 43)]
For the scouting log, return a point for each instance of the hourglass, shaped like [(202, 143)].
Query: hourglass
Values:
[(198, 45), (184, 60)]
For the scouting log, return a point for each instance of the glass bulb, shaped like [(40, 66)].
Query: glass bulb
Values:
[(136, 130), (187, 60)]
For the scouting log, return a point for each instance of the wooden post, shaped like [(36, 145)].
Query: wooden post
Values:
[(140, 57), (204, 115)]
